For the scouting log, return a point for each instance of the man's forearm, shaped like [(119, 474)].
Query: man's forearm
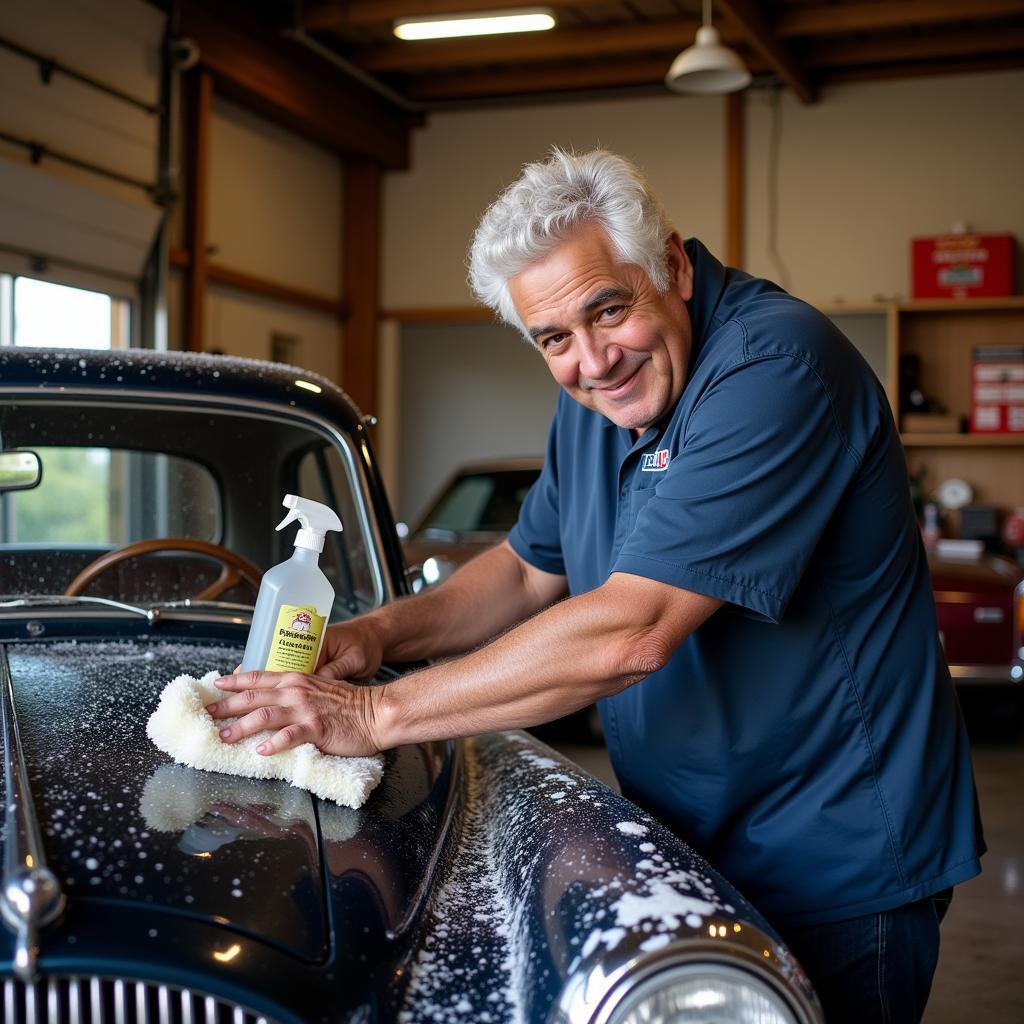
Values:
[(486, 596), (558, 661)]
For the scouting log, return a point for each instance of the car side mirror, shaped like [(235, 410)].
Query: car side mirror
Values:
[(20, 471)]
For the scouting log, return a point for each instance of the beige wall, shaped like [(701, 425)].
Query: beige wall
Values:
[(875, 164), (274, 203), (859, 173), (274, 212), (460, 161), (238, 324)]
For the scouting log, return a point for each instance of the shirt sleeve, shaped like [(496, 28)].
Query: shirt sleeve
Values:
[(536, 537), (762, 466)]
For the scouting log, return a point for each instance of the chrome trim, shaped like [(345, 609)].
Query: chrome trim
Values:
[(981, 674), (60, 613), (96, 1000), (246, 407), (593, 992), (151, 614), (32, 896)]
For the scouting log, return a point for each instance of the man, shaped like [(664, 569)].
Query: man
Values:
[(725, 498)]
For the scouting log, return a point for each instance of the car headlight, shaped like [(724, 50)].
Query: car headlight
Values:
[(702, 994)]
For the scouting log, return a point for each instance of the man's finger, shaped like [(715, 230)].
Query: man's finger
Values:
[(265, 716), (241, 703), (286, 738), (247, 680)]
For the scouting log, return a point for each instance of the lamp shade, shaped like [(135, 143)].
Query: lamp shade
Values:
[(707, 68)]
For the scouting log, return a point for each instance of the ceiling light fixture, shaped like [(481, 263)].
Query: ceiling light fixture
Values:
[(707, 68), (482, 23)]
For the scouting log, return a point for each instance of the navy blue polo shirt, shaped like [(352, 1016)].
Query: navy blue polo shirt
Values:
[(806, 738)]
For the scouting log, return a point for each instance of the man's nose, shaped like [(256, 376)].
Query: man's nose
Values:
[(596, 358)]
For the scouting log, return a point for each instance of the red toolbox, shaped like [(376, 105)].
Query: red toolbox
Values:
[(962, 266)]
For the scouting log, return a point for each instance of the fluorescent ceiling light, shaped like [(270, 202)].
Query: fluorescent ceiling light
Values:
[(483, 23)]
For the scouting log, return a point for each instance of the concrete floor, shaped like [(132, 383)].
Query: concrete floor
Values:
[(981, 966)]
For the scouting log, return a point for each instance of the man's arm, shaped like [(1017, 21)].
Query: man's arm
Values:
[(495, 590), (560, 660)]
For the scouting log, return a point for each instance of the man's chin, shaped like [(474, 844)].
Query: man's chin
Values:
[(637, 420)]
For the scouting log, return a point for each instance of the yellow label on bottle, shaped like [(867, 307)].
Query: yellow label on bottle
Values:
[(297, 637)]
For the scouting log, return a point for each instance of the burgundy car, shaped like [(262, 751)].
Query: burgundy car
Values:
[(980, 605)]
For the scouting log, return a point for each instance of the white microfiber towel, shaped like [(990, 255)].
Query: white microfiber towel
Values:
[(182, 727)]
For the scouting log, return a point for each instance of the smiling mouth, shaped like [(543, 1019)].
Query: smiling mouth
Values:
[(613, 389)]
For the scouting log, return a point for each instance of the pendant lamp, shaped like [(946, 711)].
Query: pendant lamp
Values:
[(707, 68)]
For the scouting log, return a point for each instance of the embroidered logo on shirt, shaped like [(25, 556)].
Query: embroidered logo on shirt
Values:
[(655, 462)]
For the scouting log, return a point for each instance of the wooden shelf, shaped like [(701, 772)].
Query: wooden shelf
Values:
[(1010, 303), (921, 440), (942, 334)]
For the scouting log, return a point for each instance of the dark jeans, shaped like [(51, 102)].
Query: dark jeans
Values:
[(875, 969)]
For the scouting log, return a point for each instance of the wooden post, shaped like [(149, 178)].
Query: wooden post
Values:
[(734, 153), (200, 101), (361, 283)]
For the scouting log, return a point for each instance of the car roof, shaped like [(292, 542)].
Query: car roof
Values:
[(127, 370)]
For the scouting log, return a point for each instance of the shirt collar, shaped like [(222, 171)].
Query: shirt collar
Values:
[(709, 281)]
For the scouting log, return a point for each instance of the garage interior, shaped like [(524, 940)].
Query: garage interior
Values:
[(287, 180)]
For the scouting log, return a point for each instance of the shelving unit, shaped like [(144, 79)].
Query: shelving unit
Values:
[(942, 333)]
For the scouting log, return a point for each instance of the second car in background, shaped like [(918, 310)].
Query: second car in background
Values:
[(476, 508)]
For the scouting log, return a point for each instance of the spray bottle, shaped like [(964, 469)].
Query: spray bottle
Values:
[(295, 598)]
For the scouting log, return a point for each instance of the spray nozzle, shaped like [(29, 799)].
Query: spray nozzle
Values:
[(316, 520)]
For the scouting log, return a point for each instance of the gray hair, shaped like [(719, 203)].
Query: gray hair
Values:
[(552, 198)]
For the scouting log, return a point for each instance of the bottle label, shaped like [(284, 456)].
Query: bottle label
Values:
[(296, 641)]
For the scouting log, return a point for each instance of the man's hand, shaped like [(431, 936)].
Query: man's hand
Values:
[(352, 650), (336, 717)]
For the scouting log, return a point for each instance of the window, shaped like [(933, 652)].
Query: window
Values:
[(111, 497), (42, 314)]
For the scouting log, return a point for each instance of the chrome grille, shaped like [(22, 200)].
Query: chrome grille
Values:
[(88, 1000)]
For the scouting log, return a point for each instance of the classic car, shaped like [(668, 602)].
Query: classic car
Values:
[(979, 600), (474, 508), (483, 880)]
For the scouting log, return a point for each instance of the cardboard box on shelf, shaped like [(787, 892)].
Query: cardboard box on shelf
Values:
[(997, 389), (962, 266)]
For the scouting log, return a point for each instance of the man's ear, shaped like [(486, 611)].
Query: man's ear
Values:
[(679, 267)]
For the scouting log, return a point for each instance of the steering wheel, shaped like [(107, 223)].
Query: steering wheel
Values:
[(234, 568)]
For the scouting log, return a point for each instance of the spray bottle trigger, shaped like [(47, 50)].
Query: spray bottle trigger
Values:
[(290, 518)]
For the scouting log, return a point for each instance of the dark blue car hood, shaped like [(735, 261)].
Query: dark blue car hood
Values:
[(125, 829)]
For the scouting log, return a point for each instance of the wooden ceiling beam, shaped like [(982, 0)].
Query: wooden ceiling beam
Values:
[(280, 79), (921, 69), (839, 61), (901, 50), (762, 38), (537, 79), (822, 19), (534, 47), (835, 19)]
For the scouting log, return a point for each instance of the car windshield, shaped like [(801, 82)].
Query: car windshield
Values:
[(118, 472), (481, 502)]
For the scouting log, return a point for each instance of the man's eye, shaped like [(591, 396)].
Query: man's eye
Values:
[(553, 341), (611, 312)]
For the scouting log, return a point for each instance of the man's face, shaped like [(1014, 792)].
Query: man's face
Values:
[(609, 337)]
